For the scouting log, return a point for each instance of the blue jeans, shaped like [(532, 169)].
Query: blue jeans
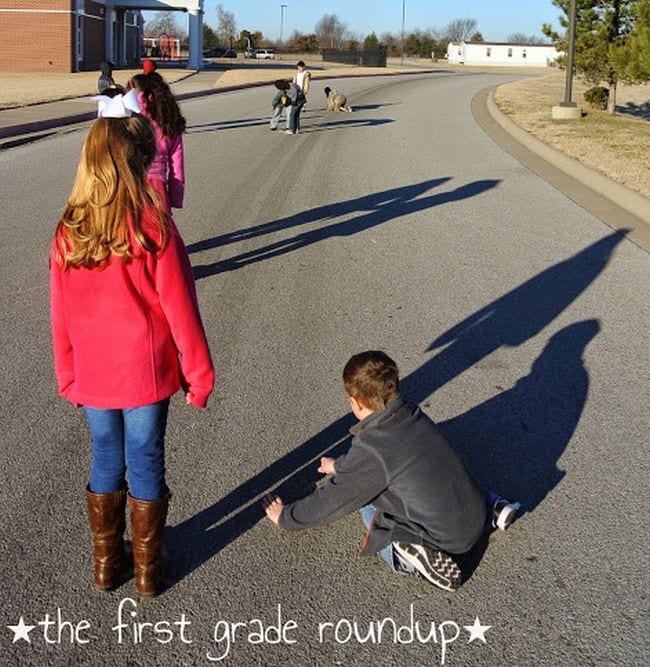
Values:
[(129, 442), (491, 499), (293, 117), (277, 114), (388, 553)]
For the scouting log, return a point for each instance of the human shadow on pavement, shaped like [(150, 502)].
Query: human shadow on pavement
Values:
[(228, 125), (370, 203), (378, 209), (348, 122), (372, 107), (511, 442)]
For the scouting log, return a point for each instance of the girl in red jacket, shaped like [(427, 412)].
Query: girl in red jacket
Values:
[(127, 335)]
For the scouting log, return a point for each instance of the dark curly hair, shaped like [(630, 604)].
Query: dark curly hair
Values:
[(161, 105)]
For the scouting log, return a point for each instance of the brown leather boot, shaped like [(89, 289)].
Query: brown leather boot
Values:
[(107, 523), (147, 527)]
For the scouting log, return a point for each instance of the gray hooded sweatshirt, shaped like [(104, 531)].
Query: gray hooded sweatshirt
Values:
[(400, 463)]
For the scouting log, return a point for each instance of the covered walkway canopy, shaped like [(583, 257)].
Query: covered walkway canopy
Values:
[(193, 7)]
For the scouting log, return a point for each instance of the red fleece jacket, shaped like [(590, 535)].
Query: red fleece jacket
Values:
[(119, 331)]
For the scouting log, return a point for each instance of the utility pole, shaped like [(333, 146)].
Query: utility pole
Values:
[(403, 15), (282, 8)]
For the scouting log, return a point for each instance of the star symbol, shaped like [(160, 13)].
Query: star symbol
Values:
[(477, 631), (21, 631)]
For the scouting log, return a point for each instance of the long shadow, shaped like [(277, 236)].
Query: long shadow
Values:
[(310, 129), (637, 110), (235, 125), (372, 202), (517, 316), (393, 209), (348, 122), (236, 121), (512, 442), (371, 107)]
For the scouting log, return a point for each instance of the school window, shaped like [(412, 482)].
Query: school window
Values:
[(488, 52), (509, 53)]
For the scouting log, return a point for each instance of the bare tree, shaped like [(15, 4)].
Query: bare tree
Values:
[(164, 23), (460, 29), (226, 26), (330, 31), (522, 38)]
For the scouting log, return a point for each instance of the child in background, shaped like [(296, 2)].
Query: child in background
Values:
[(302, 78), (106, 77), (127, 335), (149, 66), (295, 102), (167, 171), (277, 104), (336, 101), (417, 500)]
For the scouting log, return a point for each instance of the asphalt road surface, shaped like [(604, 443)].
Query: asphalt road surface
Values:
[(519, 322)]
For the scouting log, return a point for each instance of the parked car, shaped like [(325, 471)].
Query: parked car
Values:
[(218, 52), (214, 52), (264, 54)]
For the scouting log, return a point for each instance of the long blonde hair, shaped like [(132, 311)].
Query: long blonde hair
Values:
[(110, 192)]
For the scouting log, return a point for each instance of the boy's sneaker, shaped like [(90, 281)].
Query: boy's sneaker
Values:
[(435, 566), (504, 514), (288, 131)]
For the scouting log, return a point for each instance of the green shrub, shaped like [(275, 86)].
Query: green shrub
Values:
[(597, 97)]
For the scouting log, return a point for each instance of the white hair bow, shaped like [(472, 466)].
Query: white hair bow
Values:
[(120, 106)]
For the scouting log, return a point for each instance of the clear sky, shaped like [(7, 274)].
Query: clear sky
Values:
[(496, 18)]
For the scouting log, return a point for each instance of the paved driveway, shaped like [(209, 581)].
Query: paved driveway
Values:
[(520, 324)]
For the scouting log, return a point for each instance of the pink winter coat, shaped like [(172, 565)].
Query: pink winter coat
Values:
[(130, 334), (167, 171)]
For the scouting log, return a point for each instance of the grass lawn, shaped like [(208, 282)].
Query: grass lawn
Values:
[(617, 146)]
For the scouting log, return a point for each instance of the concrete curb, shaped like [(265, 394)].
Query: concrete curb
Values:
[(630, 200), (615, 205)]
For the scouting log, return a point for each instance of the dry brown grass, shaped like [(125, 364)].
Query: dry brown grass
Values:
[(617, 146), (267, 74)]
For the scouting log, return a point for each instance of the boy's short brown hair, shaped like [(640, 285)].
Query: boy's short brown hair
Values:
[(372, 378)]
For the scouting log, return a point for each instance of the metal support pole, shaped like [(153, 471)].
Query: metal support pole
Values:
[(282, 8), (569, 69), (403, 15)]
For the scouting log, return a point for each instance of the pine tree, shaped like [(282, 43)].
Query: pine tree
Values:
[(632, 59), (603, 27)]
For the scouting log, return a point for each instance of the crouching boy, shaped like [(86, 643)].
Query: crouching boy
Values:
[(417, 500)]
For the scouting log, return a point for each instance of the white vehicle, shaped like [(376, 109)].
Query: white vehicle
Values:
[(264, 54)]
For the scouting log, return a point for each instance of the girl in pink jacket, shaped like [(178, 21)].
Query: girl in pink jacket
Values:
[(167, 171), (127, 335)]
